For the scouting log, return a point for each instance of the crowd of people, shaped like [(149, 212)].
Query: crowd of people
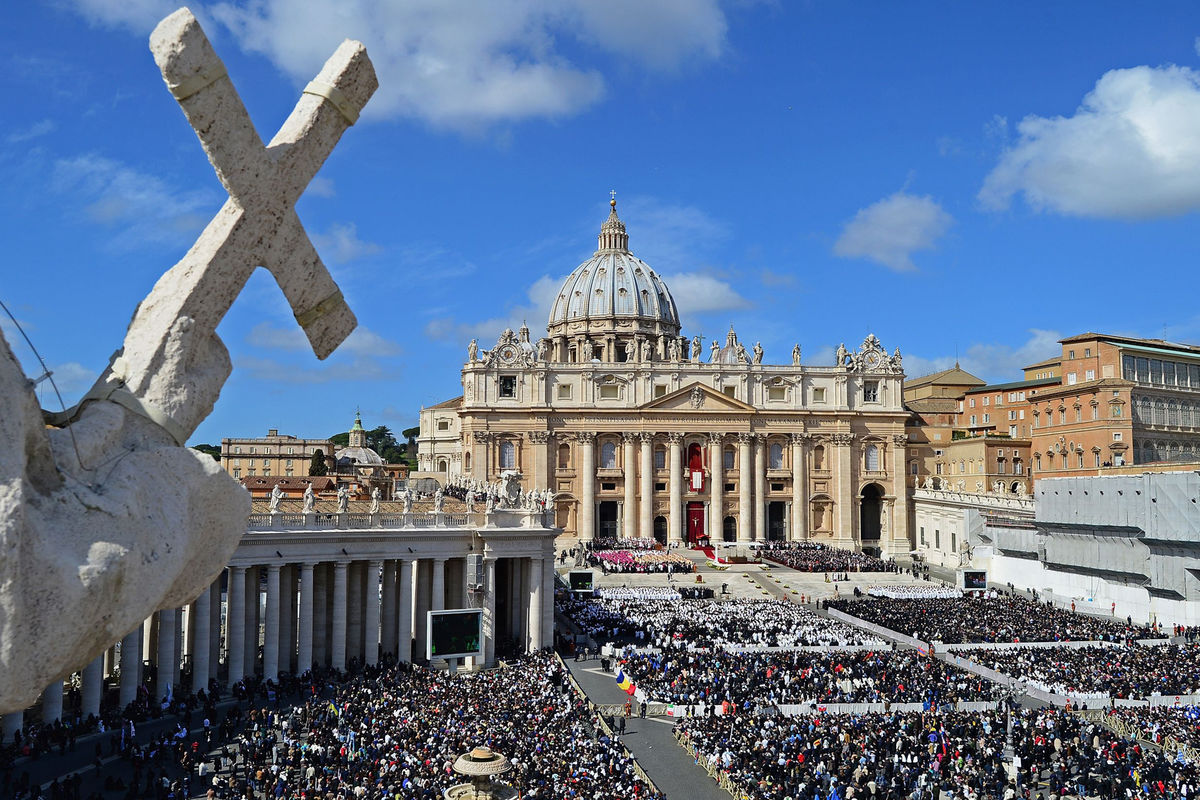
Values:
[(1159, 724), (988, 619), (912, 591), (1119, 672), (758, 680), (670, 624), (817, 557), (638, 561)]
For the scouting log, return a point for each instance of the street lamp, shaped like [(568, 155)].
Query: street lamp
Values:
[(479, 766)]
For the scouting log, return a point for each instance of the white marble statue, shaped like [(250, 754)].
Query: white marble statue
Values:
[(758, 352), (842, 354), (276, 496), (696, 348), (631, 350), (343, 500), (644, 353), (105, 515), (673, 349), (438, 499), (473, 350), (543, 349), (310, 500), (375, 497), (587, 350), (714, 352), (1021, 490), (406, 501), (796, 356), (928, 482), (470, 501), (491, 503)]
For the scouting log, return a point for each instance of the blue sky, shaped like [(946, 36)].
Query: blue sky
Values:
[(979, 178)]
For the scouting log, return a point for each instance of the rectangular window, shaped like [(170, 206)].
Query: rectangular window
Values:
[(660, 390), (987, 418), (237, 450), (1072, 378), (776, 487), (1116, 436), (871, 391), (972, 402), (1169, 373), (987, 400), (1062, 416), (819, 394), (289, 463), (1089, 375), (1012, 431), (730, 488), (1156, 371), (564, 391), (1078, 414), (508, 385), (607, 487), (973, 418), (922, 534), (777, 393), (729, 391), (1128, 370), (253, 450), (1012, 414), (660, 459), (937, 538), (660, 487), (1097, 459), (1021, 414), (610, 391), (1070, 354), (443, 425), (237, 473), (291, 451)]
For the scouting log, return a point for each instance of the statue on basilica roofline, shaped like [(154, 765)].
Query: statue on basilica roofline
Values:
[(631, 350), (343, 500), (842, 354), (543, 349), (742, 357), (715, 352), (473, 351), (310, 499), (645, 354), (796, 356), (696, 348), (375, 497), (758, 352), (673, 350)]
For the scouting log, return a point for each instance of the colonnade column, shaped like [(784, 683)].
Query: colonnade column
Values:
[(799, 520), (745, 480), (11, 724), (251, 621), (587, 474), (760, 488), (675, 513), (131, 662), (338, 645), (404, 608), (371, 622), (52, 702), (93, 685), (437, 592), (898, 543), (354, 611), (166, 652), (716, 511), (536, 576), (629, 519), (304, 635), (201, 625), (843, 471), (271, 626), (543, 458), (320, 626), (235, 626), (387, 616), (646, 477), (489, 611), (546, 621)]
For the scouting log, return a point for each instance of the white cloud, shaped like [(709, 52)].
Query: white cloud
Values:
[(671, 238), (773, 279), (540, 297), (341, 243), (362, 342), (34, 131), (139, 16), (458, 64), (891, 230), (995, 363), (320, 186), (143, 207), (698, 293), (275, 371), (1196, 44), (1129, 151)]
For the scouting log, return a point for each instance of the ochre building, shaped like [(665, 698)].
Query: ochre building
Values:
[(643, 431)]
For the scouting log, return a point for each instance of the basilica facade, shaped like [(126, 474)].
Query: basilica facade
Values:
[(643, 432)]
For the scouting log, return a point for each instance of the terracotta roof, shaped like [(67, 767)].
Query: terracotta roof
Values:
[(452, 403), (1083, 337), (955, 376), (288, 483)]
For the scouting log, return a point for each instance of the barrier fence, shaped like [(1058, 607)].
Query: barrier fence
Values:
[(716, 773)]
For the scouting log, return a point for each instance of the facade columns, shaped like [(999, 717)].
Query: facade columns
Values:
[(52, 702), (320, 605), (646, 478), (201, 625), (423, 580), (93, 685), (235, 627), (799, 520), (629, 519), (338, 645), (760, 488), (387, 616), (371, 634), (271, 626), (536, 575), (304, 633), (489, 611), (716, 516), (546, 621), (898, 543), (251, 625), (354, 611), (844, 531), (131, 662), (404, 607), (745, 481), (587, 474), (543, 459), (675, 512), (165, 656)]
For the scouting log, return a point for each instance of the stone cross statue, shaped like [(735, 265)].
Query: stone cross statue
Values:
[(113, 519), (343, 500), (310, 500), (375, 497), (276, 496)]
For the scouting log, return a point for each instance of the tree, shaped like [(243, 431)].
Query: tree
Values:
[(317, 466), (212, 450), (340, 439)]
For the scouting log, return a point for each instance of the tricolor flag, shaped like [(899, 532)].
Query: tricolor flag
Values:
[(624, 683)]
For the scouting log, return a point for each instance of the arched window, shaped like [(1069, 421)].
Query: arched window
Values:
[(962, 467), (1037, 461), (819, 457), (729, 529), (871, 458), (660, 457), (608, 456), (564, 456), (729, 458), (467, 462), (441, 465), (508, 455), (775, 457)]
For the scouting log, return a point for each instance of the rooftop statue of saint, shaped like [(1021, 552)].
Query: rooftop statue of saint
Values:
[(105, 515)]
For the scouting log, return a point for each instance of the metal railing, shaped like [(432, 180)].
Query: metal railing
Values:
[(715, 772)]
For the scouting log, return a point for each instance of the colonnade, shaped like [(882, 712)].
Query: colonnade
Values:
[(285, 616)]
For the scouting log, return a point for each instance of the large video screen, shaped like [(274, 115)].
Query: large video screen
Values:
[(455, 633), (581, 580), (974, 579)]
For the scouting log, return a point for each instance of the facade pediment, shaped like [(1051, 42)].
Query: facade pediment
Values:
[(698, 397)]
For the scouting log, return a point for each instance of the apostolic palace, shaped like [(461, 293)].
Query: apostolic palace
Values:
[(642, 431)]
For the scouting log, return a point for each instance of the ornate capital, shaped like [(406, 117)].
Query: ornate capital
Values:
[(675, 438), (646, 436), (900, 439), (483, 437), (745, 438), (801, 438), (585, 437), (842, 439), (628, 437), (539, 437), (715, 438)]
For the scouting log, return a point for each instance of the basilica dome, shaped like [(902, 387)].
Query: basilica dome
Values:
[(614, 291)]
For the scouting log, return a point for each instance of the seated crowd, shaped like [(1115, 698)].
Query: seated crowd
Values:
[(639, 561), (1158, 724), (702, 624), (913, 591), (759, 680), (816, 557), (613, 543), (998, 619), (1120, 672)]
